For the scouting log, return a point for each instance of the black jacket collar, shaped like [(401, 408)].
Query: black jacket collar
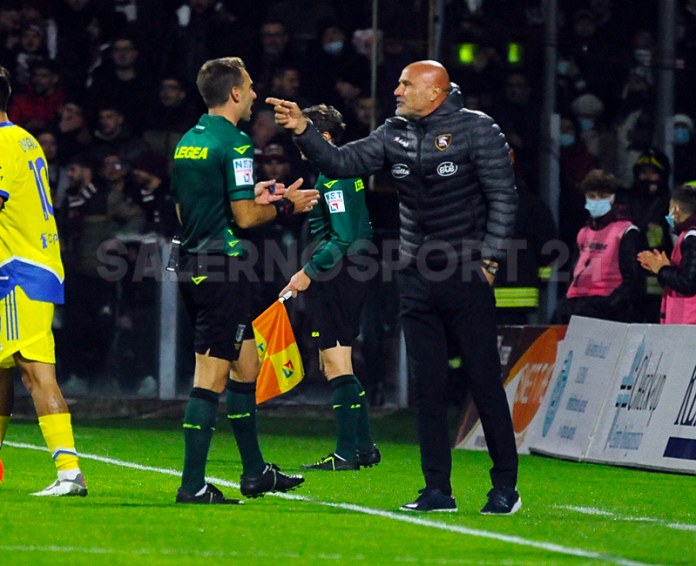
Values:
[(452, 103)]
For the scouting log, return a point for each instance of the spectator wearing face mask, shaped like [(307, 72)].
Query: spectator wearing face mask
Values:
[(593, 68), (648, 196), (589, 111), (570, 81), (643, 43), (648, 201), (634, 124), (684, 149), (575, 163), (331, 58), (607, 280), (677, 274)]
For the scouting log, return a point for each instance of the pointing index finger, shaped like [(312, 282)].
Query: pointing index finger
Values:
[(276, 101)]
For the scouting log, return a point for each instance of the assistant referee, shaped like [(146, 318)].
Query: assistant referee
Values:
[(341, 229)]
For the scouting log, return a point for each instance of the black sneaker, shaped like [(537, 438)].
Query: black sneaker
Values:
[(272, 479), (370, 457), (211, 496), (502, 501), (432, 500), (333, 463)]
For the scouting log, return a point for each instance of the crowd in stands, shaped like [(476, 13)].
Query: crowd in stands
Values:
[(108, 89)]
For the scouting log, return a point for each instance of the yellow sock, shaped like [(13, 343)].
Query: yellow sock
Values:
[(58, 434), (4, 423)]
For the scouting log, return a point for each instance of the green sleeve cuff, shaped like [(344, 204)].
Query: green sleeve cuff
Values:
[(243, 194), (311, 270)]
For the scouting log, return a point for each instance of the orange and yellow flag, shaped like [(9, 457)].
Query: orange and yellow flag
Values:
[(281, 364)]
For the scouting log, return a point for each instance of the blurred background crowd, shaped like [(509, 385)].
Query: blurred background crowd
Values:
[(108, 89)]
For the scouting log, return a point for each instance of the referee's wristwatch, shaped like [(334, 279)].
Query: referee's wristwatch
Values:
[(491, 267)]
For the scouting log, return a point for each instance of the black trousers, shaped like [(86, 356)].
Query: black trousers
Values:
[(465, 305)]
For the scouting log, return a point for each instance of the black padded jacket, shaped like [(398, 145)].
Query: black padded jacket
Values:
[(682, 279), (454, 176)]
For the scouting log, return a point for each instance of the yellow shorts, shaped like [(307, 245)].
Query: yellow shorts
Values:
[(25, 327)]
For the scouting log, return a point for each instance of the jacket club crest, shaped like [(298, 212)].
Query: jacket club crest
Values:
[(443, 141)]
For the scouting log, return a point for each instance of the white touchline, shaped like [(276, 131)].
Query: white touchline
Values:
[(241, 555), (662, 522), (548, 546)]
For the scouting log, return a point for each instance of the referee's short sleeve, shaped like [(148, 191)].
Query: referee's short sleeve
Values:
[(239, 163)]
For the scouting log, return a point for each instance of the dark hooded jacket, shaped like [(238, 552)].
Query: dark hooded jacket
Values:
[(454, 176), (682, 279)]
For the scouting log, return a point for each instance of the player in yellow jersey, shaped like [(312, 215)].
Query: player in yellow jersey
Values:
[(31, 283)]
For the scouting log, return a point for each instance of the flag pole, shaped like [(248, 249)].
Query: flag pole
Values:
[(285, 297)]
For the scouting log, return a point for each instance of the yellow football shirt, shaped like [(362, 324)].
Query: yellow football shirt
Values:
[(29, 247)]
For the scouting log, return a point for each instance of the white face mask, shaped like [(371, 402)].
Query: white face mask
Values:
[(643, 56)]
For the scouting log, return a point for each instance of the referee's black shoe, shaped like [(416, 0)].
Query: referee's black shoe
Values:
[(211, 496), (333, 463), (272, 479), (369, 458)]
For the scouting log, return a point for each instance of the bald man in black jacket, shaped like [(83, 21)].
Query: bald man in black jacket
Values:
[(458, 201)]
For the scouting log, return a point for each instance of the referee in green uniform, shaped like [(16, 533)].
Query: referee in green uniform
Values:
[(341, 228), (213, 184)]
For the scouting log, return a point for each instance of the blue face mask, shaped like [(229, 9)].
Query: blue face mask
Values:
[(682, 136), (562, 67), (334, 47), (567, 140), (670, 221), (598, 208), (586, 124)]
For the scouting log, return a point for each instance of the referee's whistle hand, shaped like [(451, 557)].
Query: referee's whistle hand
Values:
[(263, 193), (288, 115)]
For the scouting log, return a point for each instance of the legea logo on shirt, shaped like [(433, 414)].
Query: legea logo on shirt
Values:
[(334, 200), (243, 171), (400, 170)]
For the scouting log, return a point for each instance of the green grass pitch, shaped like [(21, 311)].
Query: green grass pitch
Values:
[(572, 513)]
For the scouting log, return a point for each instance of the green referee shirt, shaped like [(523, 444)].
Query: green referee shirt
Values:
[(340, 223), (213, 165)]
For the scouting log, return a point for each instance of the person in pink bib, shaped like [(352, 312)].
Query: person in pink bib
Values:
[(677, 275), (606, 281)]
